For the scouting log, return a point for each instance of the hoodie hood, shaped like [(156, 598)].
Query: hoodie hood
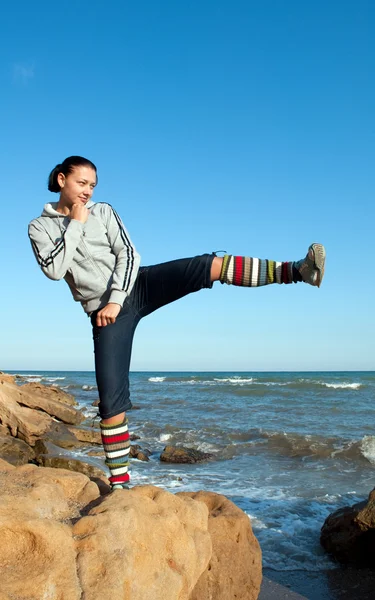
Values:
[(49, 209)]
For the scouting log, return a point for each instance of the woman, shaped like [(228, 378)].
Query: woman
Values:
[(88, 245)]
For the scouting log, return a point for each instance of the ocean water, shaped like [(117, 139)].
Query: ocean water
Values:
[(288, 448)]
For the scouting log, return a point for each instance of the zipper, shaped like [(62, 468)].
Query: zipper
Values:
[(96, 267)]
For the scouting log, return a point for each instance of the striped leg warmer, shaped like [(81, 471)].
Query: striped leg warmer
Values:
[(116, 445), (254, 272)]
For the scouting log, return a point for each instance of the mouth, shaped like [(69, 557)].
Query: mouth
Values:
[(83, 199)]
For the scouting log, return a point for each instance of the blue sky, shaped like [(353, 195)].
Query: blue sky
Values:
[(243, 126)]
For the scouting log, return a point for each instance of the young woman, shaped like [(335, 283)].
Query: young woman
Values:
[(88, 245)]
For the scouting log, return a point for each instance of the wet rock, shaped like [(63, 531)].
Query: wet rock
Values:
[(173, 454), (59, 434), (65, 460), (348, 534), (137, 452)]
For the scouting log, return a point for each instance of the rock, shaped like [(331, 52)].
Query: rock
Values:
[(137, 452), (15, 451), (61, 540), (235, 567), (51, 392), (41, 401), (22, 422), (88, 435), (66, 460), (49, 455), (349, 533), (7, 378), (133, 437), (30, 492), (59, 434), (96, 402), (143, 544), (172, 454), (37, 553), (95, 453)]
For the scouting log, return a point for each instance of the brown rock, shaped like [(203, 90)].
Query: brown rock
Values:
[(30, 492), (51, 392), (32, 398), (141, 544), (7, 378), (37, 560), (119, 557), (89, 435), (22, 422), (235, 567), (172, 454), (349, 533), (15, 451), (37, 553)]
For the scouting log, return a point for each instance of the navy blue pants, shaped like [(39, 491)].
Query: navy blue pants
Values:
[(154, 287)]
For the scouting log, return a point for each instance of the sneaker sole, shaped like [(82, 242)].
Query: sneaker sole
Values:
[(319, 260)]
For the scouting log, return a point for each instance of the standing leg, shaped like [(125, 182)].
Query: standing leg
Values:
[(255, 272), (112, 346)]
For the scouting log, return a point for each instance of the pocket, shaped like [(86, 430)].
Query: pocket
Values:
[(88, 280)]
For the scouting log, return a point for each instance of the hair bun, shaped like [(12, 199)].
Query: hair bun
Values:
[(53, 185)]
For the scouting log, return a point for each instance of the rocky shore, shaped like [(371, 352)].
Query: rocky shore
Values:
[(64, 537)]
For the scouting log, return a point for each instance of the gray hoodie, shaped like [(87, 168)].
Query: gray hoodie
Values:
[(97, 259)]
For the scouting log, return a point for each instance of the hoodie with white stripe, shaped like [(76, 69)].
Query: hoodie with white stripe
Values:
[(97, 259)]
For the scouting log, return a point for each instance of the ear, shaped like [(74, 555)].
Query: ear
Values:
[(61, 179)]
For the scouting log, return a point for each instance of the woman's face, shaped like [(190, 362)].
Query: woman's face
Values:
[(77, 187)]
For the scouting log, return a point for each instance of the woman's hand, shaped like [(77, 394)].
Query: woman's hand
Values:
[(79, 213), (108, 314)]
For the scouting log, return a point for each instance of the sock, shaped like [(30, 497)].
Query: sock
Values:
[(116, 445), (254, 272)]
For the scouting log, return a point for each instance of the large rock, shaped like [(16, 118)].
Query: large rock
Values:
[(61, 540), (33, 398), (145, 544), (51, 392), (349, 533), (235, 567)]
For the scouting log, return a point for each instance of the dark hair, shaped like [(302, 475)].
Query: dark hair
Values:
[(67, 167)]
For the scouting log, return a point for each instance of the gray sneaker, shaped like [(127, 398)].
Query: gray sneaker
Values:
[(311, 268), (119, 486)]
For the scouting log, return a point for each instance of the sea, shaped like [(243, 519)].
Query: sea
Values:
[(287, 448)]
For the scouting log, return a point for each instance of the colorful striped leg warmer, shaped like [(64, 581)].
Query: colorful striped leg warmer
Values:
[(116, 445), (254, 272)]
